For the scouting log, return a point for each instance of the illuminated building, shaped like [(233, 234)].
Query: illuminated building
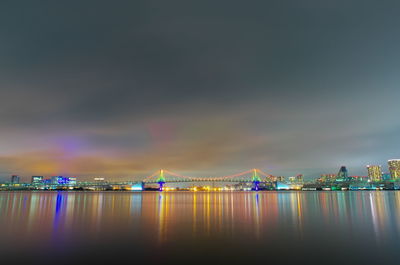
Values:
[(47, 181), (137, 186), (63, 180), (386, 176), (328, 177), (282, 186), (299, 178), (374, 172), (394, 168), (98, 179), (37, 180), (343, 175), (60, 180), (296, 179), (72, 181), (15, 179), (280, 178), (358, 178), (54, 180)]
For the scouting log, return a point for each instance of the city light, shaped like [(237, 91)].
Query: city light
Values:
[(253, 179)]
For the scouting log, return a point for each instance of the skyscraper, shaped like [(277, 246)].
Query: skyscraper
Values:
[(281, 179), (343, 175), (299, 178), (14, 179), (374, 172), (37, 180), (394, 168)]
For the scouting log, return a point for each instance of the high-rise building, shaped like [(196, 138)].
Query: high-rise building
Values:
[(299, 178), (343, 175), (37, 180), (394, 168), (374, 172), (281, 179), (15, 179)]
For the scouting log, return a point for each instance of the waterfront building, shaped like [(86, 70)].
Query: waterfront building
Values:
[(374, 172), (72, 181), (65, 181), (54, 180), (282, 186), (15, 179), (394, 168), (386, 176), (139, 186), (60, 180), (343, 174), (328, 177), (299, 178), (47, 182), (354, 178), (280, 179), (358, 178), (37, 180), (99, 179)]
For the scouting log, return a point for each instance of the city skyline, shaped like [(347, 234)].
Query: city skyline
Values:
[(373, 173)]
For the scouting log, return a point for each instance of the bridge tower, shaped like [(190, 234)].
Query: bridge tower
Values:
[(256, 180), (161, 180)]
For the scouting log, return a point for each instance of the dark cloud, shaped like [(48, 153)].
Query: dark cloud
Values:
[(290, 86)]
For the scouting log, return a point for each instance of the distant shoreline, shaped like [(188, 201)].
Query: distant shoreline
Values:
[(187, 191)]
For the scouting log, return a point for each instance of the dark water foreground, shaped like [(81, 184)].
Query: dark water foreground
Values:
[(197, 227)]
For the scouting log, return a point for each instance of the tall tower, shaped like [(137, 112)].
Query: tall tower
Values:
[(256, 180), (15, 179), (161, 180), (374, 172), (343, 175), (394, 168)]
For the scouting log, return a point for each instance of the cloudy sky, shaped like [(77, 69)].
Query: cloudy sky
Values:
[(123, 88)]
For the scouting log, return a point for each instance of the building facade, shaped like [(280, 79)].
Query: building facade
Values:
[(36, 180), (374, 172), (15, 179), (394, 168), (343, 174)]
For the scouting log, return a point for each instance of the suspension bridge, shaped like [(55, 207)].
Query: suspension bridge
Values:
[(255, 176)]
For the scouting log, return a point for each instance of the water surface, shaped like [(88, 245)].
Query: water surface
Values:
[(200, 227)]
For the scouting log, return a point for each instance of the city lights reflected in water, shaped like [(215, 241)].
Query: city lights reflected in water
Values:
[(307, 223)]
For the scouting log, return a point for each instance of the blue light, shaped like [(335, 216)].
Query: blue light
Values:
[(282, 186), (137, 187), (62, 180)]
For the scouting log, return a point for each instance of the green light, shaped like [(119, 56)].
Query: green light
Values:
[(161, 177), (255, 177)]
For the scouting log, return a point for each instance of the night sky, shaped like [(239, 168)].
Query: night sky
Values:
[(202, 88)]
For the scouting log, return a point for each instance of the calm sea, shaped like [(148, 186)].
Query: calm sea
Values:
[(200, 227)]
